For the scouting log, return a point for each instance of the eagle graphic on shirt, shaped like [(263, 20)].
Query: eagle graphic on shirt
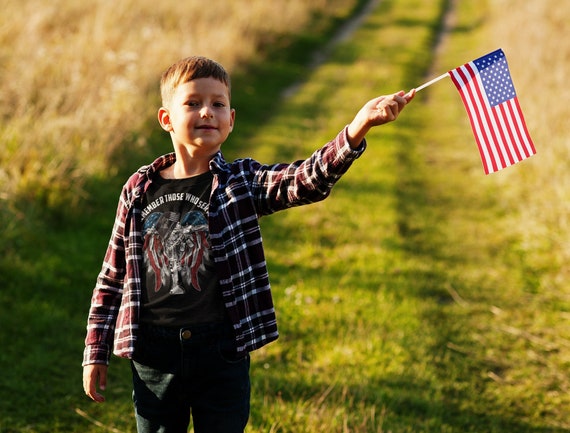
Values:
[(175, 246)]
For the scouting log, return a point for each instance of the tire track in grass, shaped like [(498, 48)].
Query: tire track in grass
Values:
[(416, 223), (445, 377), (343, 34)]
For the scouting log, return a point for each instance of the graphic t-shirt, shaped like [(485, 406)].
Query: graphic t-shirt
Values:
[(180, 286)]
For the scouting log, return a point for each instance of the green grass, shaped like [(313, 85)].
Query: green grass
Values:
[(404, 301)]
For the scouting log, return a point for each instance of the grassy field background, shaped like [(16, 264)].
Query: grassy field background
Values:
[(423, 296)]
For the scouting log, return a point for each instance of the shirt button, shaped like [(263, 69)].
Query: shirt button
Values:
[(186, 334)]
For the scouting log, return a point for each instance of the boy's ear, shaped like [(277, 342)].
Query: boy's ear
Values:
[(164, 119), (232, 119)]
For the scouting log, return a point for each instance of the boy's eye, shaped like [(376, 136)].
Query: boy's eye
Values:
[(219, 104)]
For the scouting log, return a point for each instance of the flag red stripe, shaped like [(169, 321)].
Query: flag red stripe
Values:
[(506, 145), (526, 134), (507, 122), (457, 75), (489, 127), (477, 124), (517, 129)]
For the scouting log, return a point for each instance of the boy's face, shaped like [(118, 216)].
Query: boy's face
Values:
[(199, 116)]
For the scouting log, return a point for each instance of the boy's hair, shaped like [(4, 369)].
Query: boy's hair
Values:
[(188, 69)]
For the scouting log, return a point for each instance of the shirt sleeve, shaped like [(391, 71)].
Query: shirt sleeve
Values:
[(282, 186), (107, 294)]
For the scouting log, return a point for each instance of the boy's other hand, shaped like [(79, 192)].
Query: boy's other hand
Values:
[(93, 375)]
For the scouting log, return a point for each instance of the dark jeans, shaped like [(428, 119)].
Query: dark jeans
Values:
[(193, 370)]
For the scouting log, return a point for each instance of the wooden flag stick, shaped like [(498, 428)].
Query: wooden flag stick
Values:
[(429, 83)]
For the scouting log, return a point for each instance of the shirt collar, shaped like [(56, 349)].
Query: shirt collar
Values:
[(218, 163)]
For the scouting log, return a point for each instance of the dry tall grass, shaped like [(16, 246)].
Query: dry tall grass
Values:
[(533, 35), (76, 78)]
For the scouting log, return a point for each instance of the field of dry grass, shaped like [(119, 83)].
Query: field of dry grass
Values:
[(77, 79), (532, 35)]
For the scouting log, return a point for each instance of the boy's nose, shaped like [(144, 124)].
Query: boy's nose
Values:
[(206, 113)]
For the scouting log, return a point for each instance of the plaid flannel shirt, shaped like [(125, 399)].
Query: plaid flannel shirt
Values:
[(242, 192)]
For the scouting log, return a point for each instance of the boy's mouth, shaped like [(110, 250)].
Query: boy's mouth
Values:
[(205, 127)]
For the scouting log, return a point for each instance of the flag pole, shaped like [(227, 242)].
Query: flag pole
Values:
[(429, 83)]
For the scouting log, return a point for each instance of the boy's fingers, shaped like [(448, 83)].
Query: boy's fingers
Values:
[(410, 95), (103, 379), (94, 395)]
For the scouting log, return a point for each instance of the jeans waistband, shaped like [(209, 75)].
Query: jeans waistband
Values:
[(183, 333)]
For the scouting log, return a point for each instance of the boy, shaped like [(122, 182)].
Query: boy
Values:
[(184, 291)]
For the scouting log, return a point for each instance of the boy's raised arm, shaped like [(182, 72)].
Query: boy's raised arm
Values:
[(377, 111)]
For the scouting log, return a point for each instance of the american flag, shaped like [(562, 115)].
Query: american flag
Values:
[(488, 94)]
